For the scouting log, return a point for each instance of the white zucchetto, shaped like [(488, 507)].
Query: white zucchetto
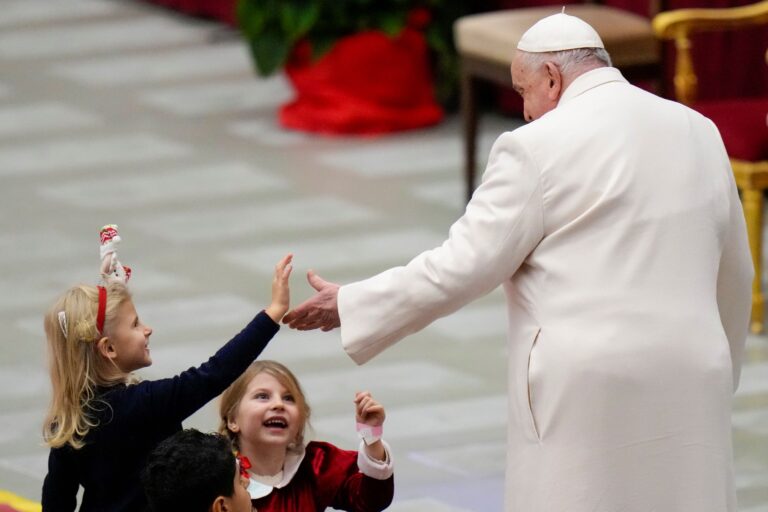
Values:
[(559, 32)]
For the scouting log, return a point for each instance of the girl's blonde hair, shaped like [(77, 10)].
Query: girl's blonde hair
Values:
[(230, 399), (75, 364)]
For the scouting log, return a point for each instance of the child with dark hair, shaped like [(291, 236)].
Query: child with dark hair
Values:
[(195, 472)]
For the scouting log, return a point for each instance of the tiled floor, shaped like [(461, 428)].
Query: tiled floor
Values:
[(117, 112)]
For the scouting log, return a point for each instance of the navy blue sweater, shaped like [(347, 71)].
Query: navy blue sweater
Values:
[(134, 420)]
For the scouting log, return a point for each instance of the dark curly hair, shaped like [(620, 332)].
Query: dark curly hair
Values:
[(188, 471)]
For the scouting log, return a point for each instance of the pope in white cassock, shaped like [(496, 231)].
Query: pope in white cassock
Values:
[(613, 223)]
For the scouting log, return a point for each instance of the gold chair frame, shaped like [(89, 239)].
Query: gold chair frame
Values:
[(751, 177)]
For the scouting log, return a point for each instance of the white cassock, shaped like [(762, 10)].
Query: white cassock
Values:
[(614, 225)]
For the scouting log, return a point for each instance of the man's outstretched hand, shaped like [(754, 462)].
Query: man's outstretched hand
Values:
[(319, 311)]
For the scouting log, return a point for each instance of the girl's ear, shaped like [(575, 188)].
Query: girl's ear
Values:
[(232, 426), (105, 348), (219, 505)]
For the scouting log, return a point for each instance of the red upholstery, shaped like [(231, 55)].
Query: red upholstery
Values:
[(742, 124), (222, 10)]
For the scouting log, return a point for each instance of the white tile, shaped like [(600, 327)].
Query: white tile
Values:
[(422, 505), (290, 346), (339, 252), (43, 117), (388, 382), (14, 425), (34, 465), (235, 223), (444, 193), (269, 132), (38, 290), (159, 66), (386, 157), (163, 185), (473, 459), (754, 379), (430, 420), (23, 381), (756, 508), (424, 152), (472, 322), (213, 98), (751, 479), (167, 317), (95, 37), (36, 246), (18, 12), (78, 152), (754, 420)]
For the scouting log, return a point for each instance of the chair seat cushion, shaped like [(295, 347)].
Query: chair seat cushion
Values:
[(742, 124), (494, 35)]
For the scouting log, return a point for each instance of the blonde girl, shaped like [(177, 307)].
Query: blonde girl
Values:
[(265, 414), (102, 422)]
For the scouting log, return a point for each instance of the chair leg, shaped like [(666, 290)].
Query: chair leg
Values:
[(753, 212), (469, 119)]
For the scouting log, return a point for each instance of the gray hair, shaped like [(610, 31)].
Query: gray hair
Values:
[(569, 62)]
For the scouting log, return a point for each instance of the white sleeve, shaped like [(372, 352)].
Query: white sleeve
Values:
[(378, 469), (502, 224), (734, 284)]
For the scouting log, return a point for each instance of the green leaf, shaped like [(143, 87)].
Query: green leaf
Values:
[(298, 18), (321, 44), (253, 15), (392, 23), (270, 51)]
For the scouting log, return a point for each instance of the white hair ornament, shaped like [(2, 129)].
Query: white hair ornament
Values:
[(63, 323)]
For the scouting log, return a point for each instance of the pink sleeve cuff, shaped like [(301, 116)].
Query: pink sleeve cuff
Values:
[(377, 469)]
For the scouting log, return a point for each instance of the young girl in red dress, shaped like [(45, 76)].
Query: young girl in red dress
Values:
[(264, 413)]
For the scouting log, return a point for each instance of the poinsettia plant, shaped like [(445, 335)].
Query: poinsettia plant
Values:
[(274, 28)]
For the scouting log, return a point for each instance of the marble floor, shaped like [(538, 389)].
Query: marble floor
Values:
[(119, 112)]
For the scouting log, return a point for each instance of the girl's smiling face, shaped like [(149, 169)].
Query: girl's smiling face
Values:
[(267, 414), (129, 339)]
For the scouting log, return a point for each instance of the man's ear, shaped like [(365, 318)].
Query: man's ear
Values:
[(555, 79), (105, 348)]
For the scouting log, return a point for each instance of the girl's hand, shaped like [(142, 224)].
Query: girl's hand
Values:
[(280, 291), (368, 410), (371, 413)]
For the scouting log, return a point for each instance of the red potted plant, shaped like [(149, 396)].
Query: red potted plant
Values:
[(357, 66)]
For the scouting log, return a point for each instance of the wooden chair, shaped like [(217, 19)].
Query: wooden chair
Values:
[(742, 122), (486, 43)]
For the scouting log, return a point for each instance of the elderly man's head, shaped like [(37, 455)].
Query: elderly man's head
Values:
[(550, 55), (541, 77)]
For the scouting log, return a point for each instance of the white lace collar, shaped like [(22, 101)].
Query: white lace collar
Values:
[(292, 462)]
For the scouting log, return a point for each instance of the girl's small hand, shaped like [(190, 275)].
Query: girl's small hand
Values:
[(281, 297), (368, 410)]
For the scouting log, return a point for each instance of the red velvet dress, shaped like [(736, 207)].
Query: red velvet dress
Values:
[(328, 477)]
